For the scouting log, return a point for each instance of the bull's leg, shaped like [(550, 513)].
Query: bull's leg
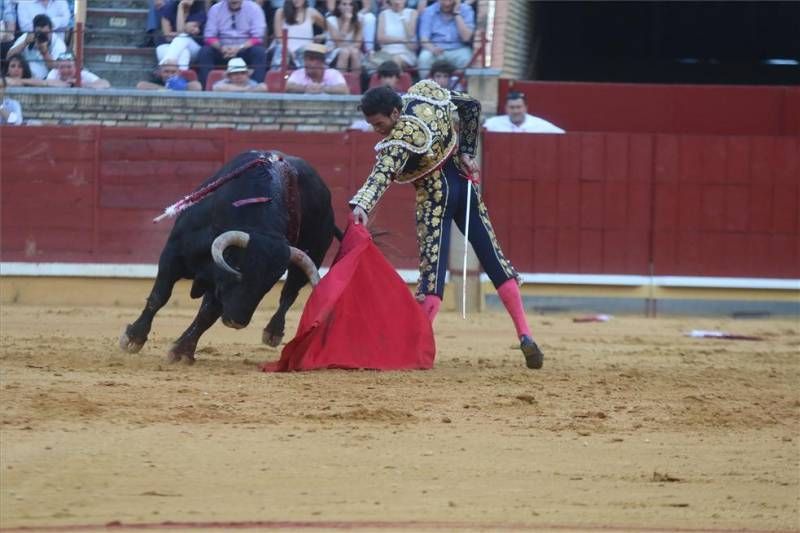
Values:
[(135, 335), (184, 348), (273, 332)]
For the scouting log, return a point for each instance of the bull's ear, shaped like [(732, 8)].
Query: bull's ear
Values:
[(198, 289)]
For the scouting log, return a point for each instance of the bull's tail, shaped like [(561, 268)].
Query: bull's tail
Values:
[(338, 233)]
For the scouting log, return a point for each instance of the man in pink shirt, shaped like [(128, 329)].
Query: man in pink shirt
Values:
[(314, 78), (234, 28)]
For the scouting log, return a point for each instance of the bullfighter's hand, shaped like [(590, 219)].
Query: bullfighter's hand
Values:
[(472, 167), (360, 216)]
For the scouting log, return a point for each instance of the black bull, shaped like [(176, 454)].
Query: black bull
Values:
[(260, 214)]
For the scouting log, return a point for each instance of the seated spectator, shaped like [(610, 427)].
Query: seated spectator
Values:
[(57, 10), (8, 26), (346, 37), (66, 75), (167, 77), (237, 79), (445, 32), (442, 72), (397, 34), (152, 24), (368, 23), (18, 73), (182, 25), (39, 47), (10, 110), (314, 78), (389, 75), (297, 19), (517, 118), (234, 28)]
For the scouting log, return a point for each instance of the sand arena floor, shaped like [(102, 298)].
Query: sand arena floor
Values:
[(630, 426)]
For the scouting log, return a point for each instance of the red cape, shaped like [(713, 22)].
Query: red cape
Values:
[(360, 315)]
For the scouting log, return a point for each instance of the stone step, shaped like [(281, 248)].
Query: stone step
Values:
[(118, 4), (122, 78), (123, 66), (116, 19), (109, 37)]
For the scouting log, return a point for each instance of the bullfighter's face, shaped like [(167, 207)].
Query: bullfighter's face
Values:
[(383, 124)]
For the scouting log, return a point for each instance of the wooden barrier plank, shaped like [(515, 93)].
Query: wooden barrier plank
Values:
[(617, 157), (590, 258), (689, 206), (569, 204), (784, 209), (737, 162), (545, 252), (737, 203), (666, 155), (545, 204), (592, 157), (591, 204), (568, 245)]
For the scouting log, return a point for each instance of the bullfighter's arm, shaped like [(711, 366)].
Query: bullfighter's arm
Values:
[(390, 162), (469, 113)]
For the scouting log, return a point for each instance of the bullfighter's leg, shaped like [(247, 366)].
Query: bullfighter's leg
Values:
[(184, 348), (135, 335), (494, 263)]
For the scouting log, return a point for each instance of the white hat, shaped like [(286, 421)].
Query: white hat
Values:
[(236, 64)]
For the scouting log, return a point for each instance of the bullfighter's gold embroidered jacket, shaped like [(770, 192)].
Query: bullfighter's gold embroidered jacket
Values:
[(422, 140)]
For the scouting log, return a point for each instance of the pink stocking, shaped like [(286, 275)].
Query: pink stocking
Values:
[(430, 305), (512, 299)]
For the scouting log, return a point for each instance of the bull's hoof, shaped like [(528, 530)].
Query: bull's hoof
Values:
[(176, 356), (127, 344), (271, 339)]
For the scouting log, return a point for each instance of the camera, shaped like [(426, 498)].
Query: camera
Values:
[(42, 37)]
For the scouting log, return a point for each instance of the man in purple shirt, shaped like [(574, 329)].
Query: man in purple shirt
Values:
[(234, 28), (445, 32)]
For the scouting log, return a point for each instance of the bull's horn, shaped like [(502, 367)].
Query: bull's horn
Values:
[(229, 238), (302, 261)]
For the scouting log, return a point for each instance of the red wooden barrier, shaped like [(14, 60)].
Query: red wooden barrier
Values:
[(89, 194), (613, 203), (647, 108), (594, 203)]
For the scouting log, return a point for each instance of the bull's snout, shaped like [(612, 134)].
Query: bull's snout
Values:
[(232, 324)]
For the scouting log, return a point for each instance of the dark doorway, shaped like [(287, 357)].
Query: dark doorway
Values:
[(667, 42)]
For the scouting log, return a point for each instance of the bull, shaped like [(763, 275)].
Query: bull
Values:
[(261, 215)]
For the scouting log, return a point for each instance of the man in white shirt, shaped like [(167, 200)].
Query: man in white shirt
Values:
[(66, 75), (39, 47), (10, 110), (518, 120)]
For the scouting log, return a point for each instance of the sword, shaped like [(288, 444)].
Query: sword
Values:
[(466, 245)]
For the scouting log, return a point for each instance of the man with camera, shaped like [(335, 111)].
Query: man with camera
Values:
[(40, 47)]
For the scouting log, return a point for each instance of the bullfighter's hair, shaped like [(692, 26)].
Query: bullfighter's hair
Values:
[(381, 100)]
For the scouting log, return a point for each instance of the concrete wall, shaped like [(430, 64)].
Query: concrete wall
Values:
[(117, 107), (513, 38)]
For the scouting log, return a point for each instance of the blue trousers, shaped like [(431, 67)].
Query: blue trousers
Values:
[(441, 200)]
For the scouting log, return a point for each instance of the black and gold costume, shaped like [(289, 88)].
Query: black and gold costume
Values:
[(422, 149)]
